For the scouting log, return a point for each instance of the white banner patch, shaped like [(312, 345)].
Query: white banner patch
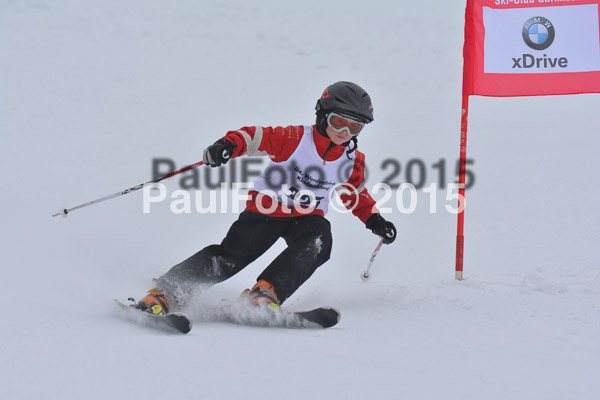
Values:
[(541, 39)]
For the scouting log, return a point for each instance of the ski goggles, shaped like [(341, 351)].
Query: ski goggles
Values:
[(340, 123)]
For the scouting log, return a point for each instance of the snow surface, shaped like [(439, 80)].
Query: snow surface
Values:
[(92, 91)]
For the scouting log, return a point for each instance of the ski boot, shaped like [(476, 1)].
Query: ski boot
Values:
[(155, 302), (262, 295)]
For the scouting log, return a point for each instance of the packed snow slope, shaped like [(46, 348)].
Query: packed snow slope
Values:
[(92, 92)]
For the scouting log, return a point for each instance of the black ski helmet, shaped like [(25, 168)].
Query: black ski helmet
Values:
[(346, 98)]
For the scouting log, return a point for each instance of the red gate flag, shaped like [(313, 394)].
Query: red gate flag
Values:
[(525, 48), (531, 47)]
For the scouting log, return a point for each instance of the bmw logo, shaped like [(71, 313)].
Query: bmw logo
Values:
[(538, 33)]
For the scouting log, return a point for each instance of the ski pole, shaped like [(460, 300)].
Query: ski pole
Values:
[(366, 275), (64, 211)]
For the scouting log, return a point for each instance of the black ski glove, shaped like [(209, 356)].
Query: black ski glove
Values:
[(218, 153), (379, 226)]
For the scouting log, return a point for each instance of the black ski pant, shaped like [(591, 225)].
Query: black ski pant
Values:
[(309, 246)]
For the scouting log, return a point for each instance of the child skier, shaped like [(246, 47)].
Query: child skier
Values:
[(289, 200)]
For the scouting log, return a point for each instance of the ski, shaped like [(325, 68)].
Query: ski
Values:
[(240, 314), (174, 321), (318, 318)]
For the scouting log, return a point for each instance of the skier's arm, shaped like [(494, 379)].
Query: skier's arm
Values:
[(363, 205), (277, 143), (353, 193)]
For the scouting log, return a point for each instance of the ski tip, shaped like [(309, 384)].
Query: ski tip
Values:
[(120, 303), (336, 316), (324, 317), (177, 321), (180, 321)]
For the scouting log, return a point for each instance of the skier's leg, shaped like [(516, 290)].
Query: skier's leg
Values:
[(247, 239), (309, 246)]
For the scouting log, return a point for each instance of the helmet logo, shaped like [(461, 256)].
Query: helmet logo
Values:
[(325, 94)]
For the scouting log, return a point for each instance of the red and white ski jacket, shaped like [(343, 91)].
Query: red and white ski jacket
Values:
[(286, 144)]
